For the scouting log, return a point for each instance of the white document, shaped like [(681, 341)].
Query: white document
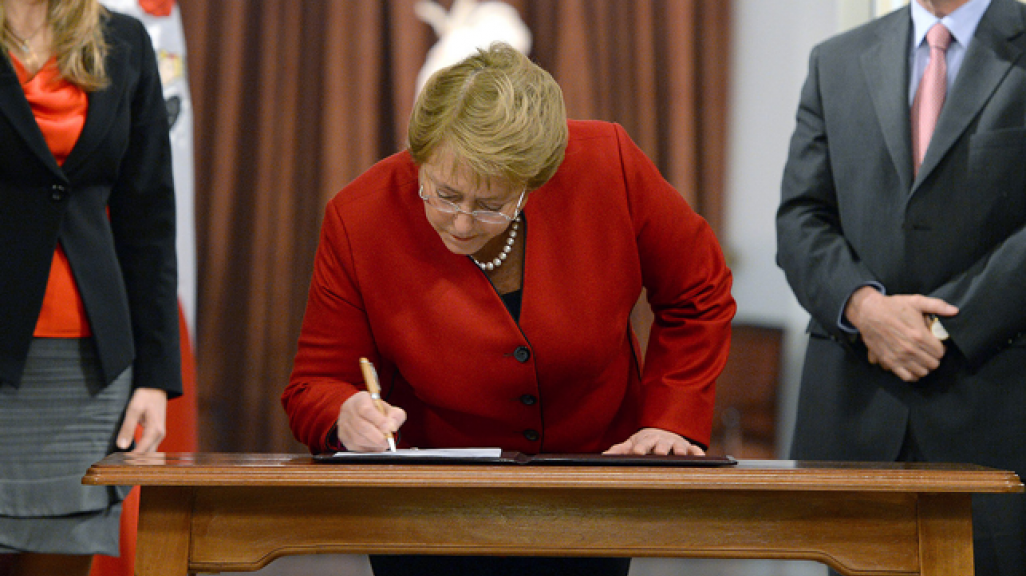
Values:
[(427, 453)]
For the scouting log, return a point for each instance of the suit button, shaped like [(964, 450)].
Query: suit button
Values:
[(522, 353), (531, 435), (528, 400), (57, 192)]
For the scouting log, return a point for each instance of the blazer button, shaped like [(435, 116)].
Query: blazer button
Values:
[(528, 400), (522, 354), (57, 192), (531, 435)]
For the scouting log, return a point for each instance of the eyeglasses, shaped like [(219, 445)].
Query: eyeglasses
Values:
[(483, 216)]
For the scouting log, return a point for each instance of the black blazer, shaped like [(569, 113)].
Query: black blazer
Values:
[(852, 212), (124, 264)]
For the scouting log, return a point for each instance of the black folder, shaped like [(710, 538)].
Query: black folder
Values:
[(512, 457)]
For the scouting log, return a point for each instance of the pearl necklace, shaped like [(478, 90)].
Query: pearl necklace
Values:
[(495, 263)]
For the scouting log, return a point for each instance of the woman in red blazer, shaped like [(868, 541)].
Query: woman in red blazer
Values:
[(489, 273)]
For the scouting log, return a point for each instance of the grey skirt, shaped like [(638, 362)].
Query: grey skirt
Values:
[(57, 423)]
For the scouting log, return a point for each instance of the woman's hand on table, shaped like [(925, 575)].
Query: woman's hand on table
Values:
[(656, 441)]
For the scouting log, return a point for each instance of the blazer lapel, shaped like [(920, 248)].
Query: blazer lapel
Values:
[(16, 109), (103, 105), (991, 55), (885, 65)]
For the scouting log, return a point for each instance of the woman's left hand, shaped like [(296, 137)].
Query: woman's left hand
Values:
[(147, 408), (656, 441)]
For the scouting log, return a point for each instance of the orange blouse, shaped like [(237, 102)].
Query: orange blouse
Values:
[(60, 109)]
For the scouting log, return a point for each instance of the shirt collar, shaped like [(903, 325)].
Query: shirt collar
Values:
[(961, 23)]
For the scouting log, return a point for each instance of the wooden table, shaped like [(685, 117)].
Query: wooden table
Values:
[(237, 512)]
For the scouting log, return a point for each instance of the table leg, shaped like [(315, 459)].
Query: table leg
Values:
[(165, 520), (945, 535)]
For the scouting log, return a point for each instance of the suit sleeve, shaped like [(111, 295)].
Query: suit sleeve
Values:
[(820, 265), (334, 335), (142, 215), (989, 298), (688, 287)]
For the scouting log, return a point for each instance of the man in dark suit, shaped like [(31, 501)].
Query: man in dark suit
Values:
[(913, 265)]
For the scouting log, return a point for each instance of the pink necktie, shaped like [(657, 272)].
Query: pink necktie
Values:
[(926, 105)]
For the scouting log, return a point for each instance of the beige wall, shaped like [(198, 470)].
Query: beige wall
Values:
[(851, 13)]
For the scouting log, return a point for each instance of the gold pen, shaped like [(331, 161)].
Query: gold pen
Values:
[(370, 376)]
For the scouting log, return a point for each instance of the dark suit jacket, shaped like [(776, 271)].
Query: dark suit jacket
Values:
[(124, 263), (852, 213)]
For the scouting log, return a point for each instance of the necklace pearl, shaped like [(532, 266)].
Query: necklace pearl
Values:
[(498, 260)]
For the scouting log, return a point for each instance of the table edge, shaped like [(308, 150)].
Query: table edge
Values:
[(283, 470)]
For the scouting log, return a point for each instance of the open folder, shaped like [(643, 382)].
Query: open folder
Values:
[(499, 456)]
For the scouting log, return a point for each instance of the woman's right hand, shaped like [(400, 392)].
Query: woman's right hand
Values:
[(361, 425)]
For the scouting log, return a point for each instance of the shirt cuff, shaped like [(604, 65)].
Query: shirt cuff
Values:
[(842, 321)]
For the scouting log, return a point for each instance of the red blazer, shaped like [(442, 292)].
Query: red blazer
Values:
[(568, 377)]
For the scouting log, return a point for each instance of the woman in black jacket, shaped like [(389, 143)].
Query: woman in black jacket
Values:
[(88, 303)]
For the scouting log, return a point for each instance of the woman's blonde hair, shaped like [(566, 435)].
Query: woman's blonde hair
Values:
[(499, 114), (77, 27)]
